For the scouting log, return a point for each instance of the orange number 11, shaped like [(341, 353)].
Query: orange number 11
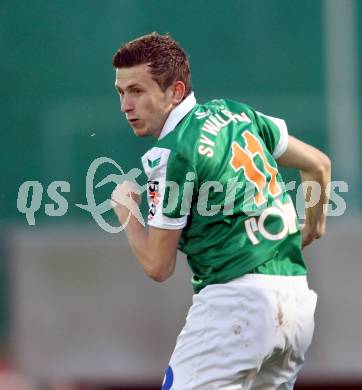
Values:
[(244, 158)]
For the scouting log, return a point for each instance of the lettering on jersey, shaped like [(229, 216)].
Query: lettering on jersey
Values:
[(154, 195), (207, 151), (212, 127), (288, 218), (207, 141), (202, 114)]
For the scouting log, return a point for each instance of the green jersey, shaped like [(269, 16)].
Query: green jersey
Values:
[(213, 174)]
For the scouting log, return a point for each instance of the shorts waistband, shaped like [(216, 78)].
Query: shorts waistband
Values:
[(299, 281)]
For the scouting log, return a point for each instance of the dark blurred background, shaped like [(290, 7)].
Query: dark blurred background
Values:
[(74, 307)]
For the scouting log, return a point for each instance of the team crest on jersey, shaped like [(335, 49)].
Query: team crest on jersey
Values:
[(154, 163), (154, 194)]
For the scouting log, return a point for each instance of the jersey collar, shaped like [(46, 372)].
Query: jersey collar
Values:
[(177, 114)]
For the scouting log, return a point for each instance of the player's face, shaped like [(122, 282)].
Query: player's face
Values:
[(143, 102)]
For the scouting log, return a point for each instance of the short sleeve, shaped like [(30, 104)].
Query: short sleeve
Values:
[(274, 132), (167, 174)]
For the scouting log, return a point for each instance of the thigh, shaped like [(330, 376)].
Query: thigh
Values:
[(228, 332), (280, 371)]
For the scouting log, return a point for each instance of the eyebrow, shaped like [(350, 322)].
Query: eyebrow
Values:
[(128, 87)]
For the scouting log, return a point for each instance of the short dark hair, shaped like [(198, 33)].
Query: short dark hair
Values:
[(167, 60)]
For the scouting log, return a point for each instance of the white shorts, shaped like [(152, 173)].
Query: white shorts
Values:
[(250, 333)]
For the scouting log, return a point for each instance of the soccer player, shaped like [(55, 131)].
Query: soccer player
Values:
[(215, 192)]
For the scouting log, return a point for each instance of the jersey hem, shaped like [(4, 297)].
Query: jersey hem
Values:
[(169, 226)]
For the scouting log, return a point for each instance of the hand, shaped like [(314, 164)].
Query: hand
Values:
[(310, 233), (125, 200)]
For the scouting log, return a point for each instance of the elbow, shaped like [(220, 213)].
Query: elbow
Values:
[(159, 273), (325, 164), (157, 276), (321, 165)]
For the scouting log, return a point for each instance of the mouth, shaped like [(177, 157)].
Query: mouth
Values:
[(133, 121)]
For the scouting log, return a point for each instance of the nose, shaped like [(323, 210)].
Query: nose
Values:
[(126, 104)]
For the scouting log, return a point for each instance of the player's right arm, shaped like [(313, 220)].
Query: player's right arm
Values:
[(154, 248), (313, 166)]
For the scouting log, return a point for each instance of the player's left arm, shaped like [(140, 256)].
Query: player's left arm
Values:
[(314, 166), (154, 248)]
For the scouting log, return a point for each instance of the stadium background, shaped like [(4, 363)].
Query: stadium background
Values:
[(74, 306)]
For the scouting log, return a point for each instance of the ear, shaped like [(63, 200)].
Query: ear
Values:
[(179, 89)]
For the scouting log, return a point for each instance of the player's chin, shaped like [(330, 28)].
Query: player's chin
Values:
[(140, 131)]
